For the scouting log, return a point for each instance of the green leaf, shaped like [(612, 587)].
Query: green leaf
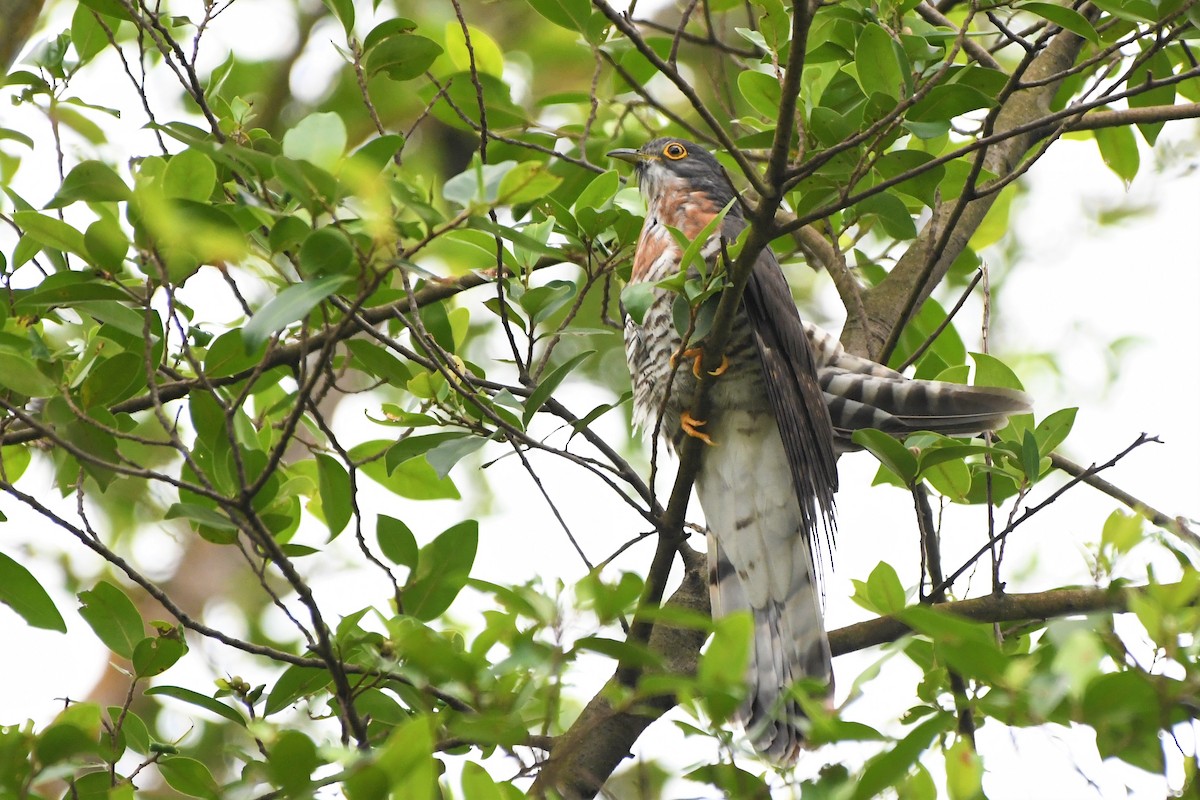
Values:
[(229, 355), (107, 243), (889, 767), (21, 592), (488, 58), (319, 139), (1157, 66), (444, 456), (333, 483), (891, 453), (761, 91), (723, 664), (944, 102), (189, 776), (379, 362), (50, 232), (155, 655), (879, 68), (526, 182), (91, 181), (1064, 17), (20, 374), (396, 541), (542, 301), (292, 759), (1030, 457), (963, 644), (1121, 531), (550, 383), (478, 183), (442, 570), (412, 446), (380, 151), (291, 304), (477, 784), (570, 14), (732, 780), (87, 35), (113, 617), (636, 299), (773, 23), (1053, 430), (190, 175), (1125, 710), (964, 770), (113, 380), (1080, 654), (885, 590), (203, 701), (626, 652), (73, 733), (294, 683), (343, 10), (599, 192), (326, 251), (892, 214), (407, 761), (950, 477), (67, 289), (413, 478), (1118, 148), (991, 371), (403, 56), (14, 460)]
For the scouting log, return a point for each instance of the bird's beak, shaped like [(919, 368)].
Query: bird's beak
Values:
[(625, 154)]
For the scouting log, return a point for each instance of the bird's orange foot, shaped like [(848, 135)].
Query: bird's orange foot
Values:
[(697, 356), (694, 353), (690, 425)]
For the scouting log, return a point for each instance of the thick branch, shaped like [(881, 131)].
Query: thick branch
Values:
[(992, 608), (600, 738), (1096, 120), (890, 304)]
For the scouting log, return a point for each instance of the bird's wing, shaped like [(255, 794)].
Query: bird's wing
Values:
[(795, 394)]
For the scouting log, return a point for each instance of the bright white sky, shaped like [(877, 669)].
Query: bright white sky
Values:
[(1079, 284)]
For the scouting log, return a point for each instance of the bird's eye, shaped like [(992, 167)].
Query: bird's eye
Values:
[(675, 151)]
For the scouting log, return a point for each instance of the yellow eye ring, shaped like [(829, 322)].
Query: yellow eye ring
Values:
[(675, 151)]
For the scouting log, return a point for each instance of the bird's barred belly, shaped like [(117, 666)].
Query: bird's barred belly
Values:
[(650, 348)]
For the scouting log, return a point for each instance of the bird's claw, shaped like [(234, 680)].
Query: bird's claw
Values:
[(720, 370), (697, 356), (690, 424)]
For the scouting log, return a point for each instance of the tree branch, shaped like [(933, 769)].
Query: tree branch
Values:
[(890, 304), (992, 608), (291, 355), (1176, 525), (584, 756)]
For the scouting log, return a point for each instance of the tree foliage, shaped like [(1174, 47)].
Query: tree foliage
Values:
[(277, 279)]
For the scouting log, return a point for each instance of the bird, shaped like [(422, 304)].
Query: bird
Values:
[(785, 402)]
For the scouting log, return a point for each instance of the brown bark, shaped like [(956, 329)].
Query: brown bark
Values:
[(890, 304)]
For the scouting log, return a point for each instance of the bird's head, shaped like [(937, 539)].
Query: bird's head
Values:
[(669, 163)]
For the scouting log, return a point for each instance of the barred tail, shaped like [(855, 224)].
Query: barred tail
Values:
[(789, 645), (863, 394)]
